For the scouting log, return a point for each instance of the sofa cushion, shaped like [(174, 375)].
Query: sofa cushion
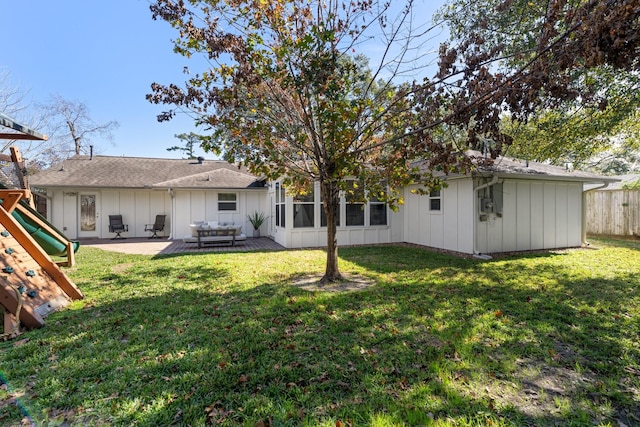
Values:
[(195, 227)]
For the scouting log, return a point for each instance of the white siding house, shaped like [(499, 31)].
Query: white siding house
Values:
[(504, 206), (83, 191)]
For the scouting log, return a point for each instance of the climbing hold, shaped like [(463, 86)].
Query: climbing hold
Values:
[(5, 233), (21, 289), (7, 269), (30, 273), (32, 294), (9, 251)]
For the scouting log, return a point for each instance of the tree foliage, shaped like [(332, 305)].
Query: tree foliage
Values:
[(567, 72), (190, 141)]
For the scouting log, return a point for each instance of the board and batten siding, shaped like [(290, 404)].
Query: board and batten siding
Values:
[(613, 212), (202, 205), (536, 215), (137, 207), (451, 228)]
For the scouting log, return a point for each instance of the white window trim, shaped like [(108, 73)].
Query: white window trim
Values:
[(438, 197), (218, 201)]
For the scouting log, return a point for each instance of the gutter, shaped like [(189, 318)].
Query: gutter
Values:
[(476, 254), (584, 242)]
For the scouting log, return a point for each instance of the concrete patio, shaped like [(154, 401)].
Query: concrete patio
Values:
[(145, 246)]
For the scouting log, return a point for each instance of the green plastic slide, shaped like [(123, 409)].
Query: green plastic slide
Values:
[(34, 224)]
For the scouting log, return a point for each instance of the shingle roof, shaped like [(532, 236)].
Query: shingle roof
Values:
[(506, 166), (142, 172), (510, 166)]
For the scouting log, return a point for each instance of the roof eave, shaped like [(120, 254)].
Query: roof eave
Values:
[(546, 177)]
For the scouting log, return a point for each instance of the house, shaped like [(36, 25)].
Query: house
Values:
[(508, 205), (84, 190)]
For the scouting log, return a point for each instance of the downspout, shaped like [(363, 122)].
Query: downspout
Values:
[(584, 242), (173, 213), (494, 181)]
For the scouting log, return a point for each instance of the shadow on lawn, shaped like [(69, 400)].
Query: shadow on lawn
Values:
[(438, 338)]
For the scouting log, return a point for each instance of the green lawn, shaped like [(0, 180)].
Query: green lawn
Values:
[(208, 339)]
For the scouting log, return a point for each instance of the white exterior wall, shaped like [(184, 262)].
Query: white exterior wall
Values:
[(451, 228), (536, 215), (140, 207), (202, 205), (137, 207), (316, 236)]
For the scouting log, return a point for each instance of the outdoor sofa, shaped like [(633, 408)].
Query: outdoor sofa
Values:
[(212, 232)]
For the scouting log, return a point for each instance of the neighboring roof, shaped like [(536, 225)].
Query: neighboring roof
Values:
[(142, 172)]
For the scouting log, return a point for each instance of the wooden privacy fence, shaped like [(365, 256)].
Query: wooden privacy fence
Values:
[(613, 212)]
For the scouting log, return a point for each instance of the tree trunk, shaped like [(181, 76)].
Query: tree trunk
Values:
[(331, 202)]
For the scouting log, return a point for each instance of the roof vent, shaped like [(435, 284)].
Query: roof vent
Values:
[(200, 160)]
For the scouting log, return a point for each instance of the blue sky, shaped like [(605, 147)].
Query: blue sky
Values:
[(105, 54)]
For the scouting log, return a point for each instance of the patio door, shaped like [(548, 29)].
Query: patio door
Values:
[(89, 215)]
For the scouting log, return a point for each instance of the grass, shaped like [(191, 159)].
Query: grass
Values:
[(226, 339)]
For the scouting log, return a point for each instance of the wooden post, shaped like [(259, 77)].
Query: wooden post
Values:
[(18, 163)]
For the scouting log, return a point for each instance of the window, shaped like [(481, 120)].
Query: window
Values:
[(303, 207), (354, 196), (377, 212), (280, 205), (227, 202), (435, 200)]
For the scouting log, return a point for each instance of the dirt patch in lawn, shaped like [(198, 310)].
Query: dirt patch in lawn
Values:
[(541, 388), (121, 268), (351, 282), (542, 384)]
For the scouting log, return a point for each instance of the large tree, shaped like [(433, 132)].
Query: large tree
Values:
[(72, 127), (289, 95), (286, 95), (68, 125)]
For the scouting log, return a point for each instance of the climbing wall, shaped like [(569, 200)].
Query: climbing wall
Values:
[(19, 271)]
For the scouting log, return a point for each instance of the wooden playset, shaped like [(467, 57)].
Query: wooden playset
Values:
[(32, 285)]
